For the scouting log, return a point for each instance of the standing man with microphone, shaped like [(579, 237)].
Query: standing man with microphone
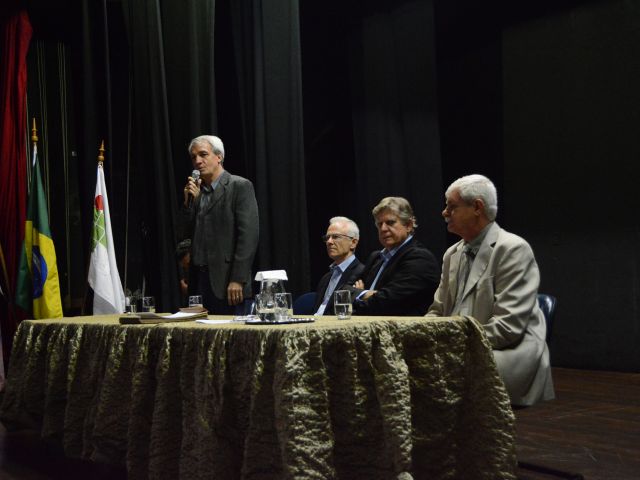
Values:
[(220, 215)]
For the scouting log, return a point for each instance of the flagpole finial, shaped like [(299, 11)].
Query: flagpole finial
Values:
[(101, 153), (34, 132)]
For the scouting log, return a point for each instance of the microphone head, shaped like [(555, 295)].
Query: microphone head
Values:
[(195, 175)]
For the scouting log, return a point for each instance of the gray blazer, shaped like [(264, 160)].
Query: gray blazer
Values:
[(231, 232), (501, 293)]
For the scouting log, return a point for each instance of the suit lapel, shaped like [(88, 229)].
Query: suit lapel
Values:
[(454, 265), (482, 258), (388, 270), (345, 275), (322, 288), (219, 192), (375, 261)]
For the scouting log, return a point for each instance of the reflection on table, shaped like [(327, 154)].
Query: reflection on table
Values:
[(370, 398)]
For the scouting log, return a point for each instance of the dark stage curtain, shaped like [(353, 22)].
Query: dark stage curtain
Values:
[(395, 119), (266, 37), (152, 173), (15, 31), (193, 74)]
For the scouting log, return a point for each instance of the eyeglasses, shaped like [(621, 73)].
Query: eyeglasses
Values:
[(334, 237)]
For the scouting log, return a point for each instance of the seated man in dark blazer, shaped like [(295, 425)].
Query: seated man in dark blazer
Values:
[(401, 278), (341, 240)]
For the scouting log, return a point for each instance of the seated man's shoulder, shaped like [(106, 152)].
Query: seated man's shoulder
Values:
[(509, 239), (358, 268), (511, 244), (418, 250)]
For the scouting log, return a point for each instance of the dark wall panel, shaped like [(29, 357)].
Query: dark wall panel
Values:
[(571, 149)]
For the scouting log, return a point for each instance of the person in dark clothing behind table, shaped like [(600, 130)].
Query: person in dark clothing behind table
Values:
[(401, 278), (341, 240), (183, 256), (220, 215)]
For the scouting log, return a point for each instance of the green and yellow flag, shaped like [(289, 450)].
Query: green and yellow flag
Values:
[(38, 287)]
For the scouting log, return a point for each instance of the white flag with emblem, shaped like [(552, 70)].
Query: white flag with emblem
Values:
[(104, 279)]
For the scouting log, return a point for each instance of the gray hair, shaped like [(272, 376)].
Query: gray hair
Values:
[(398, 205), (216, 144), (352, 227), (472, 187)]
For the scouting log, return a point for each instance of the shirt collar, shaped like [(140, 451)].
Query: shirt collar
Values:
[(210, 188), (344, 264), (388, 254), (474, 245)]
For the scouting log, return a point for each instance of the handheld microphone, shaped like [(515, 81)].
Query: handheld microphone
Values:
[(196, 176)]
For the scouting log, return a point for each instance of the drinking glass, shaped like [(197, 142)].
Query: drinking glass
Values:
[(265, 303), (284, 306), (195, 301), (342, 304), (148, 304), (130, 305)]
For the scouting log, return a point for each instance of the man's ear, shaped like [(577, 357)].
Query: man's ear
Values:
[(478, 206), (354, 244)]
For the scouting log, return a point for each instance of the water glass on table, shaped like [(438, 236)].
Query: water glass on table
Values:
[(195, 301), (130, 305), (284, 306), (342, 304), (149, 304)]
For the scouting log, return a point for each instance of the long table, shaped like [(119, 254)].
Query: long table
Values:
[(366, 398)]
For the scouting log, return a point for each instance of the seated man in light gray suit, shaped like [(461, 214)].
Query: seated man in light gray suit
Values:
[(492, 275)]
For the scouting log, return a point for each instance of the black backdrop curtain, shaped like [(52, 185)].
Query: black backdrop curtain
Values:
[(396, 137), (371, 123), (181, 68), (153, 74), (266, 37)]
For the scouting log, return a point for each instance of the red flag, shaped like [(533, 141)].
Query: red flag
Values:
[(15, 35)]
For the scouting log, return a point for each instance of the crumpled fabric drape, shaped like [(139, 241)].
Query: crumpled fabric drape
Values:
[(367, 398)]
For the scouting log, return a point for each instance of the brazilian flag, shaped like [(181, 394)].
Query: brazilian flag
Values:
[(38, 288)]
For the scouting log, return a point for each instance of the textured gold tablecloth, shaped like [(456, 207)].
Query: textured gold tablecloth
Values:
[(366, 398)]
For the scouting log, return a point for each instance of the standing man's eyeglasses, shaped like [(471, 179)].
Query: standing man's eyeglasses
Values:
[(334, 237)]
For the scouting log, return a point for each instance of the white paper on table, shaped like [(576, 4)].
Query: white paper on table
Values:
[(179, 315), (214, 322)]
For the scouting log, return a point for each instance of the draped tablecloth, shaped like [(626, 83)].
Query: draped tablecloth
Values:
[(366, 398)]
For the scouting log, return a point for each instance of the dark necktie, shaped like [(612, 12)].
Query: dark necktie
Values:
[(466, 261)]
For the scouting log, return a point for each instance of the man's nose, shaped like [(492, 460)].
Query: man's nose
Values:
[(445, 213)]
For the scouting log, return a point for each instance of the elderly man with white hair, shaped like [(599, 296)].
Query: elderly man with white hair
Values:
[(341, 241), (492, 275)]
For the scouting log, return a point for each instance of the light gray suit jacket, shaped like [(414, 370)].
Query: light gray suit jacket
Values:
[(501, 293)]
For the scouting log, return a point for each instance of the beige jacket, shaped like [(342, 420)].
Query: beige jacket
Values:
[(501, 294)]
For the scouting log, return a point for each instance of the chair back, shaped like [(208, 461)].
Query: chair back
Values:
[(547, 304), (303, 305)]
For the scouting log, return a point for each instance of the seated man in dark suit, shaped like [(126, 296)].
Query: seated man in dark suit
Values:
[(341, 240), (401, 278)]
